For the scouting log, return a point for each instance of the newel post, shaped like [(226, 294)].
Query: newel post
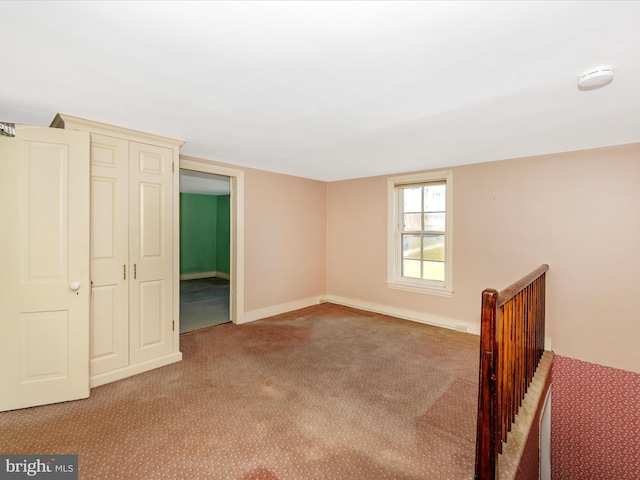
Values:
[(486, 451)]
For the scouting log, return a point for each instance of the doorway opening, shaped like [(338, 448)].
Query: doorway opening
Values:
[(204, 250), (211, 244)]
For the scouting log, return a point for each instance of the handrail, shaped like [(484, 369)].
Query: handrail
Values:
[(512, 290), (511, 345)]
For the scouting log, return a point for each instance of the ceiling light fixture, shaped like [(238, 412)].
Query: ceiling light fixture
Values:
[(595, 78)]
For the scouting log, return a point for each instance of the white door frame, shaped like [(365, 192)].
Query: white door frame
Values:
[(236, 306)]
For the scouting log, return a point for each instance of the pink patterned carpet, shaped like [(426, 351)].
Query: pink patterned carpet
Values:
[(595, 422), (321, 393)]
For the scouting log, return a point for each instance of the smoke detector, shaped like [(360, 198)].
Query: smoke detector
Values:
[(595, 78)]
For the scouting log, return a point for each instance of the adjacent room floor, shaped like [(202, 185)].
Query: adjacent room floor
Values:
[(326, 392), (204, 302)]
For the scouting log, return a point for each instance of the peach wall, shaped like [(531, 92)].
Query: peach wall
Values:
[(285, 239), (576, 211), (285, 244)]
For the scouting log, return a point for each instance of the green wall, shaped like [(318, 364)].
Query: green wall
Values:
[(223, 234), (204, 233)]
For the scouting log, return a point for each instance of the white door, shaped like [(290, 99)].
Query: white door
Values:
[(151, 251), (44, 274), (110, 270)]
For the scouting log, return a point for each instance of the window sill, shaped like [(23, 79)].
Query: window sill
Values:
[(425, 289)]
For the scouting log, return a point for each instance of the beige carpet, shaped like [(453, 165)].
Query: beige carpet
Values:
[(322, 393)]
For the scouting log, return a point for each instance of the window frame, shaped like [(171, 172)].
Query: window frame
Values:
[(394, 229)]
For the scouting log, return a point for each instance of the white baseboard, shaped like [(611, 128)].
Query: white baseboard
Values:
[(254, 315), (420, 317), (414, 316), (130, 370), (194, 276)]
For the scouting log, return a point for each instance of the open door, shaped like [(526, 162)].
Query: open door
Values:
[(44, 267)]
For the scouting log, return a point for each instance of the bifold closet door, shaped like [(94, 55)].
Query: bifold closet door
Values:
[(150, 251), (109, 253)]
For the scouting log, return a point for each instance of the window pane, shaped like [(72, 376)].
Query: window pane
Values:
[(411, 222), (434, 222), (435, 198), (411, 247), (433, 271), (411, 199), (411, 268), (433, 247), (420, 232)]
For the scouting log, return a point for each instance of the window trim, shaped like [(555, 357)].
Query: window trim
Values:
[(394, 280)]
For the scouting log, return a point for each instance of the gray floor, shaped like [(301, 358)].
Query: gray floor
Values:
[(204, 302)]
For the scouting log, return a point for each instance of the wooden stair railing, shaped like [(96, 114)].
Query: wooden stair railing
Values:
[(511, 345)]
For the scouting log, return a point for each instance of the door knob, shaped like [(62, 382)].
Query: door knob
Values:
[(74, 286)]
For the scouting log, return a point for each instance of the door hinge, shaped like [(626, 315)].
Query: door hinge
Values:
[(173, 325), (173, 167)]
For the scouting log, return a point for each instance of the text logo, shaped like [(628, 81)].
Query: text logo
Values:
[(49, 467)]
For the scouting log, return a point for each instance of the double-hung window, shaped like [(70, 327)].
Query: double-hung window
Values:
[(420, 232)]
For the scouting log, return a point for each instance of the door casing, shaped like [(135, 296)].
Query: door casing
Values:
[(237, 229)]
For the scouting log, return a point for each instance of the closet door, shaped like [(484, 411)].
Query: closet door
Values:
[(151, 251), (110, 269)]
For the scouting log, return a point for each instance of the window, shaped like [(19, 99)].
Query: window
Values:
[(420, 233)]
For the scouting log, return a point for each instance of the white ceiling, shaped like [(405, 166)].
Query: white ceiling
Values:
[(331, 90), (204, 183)]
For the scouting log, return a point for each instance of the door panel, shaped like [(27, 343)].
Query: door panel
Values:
[(43, 191), (105, 329), (151, 251), (150, 304), (44, 247), (104, 222), (110, 269), (44, 345), (151, 221)]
